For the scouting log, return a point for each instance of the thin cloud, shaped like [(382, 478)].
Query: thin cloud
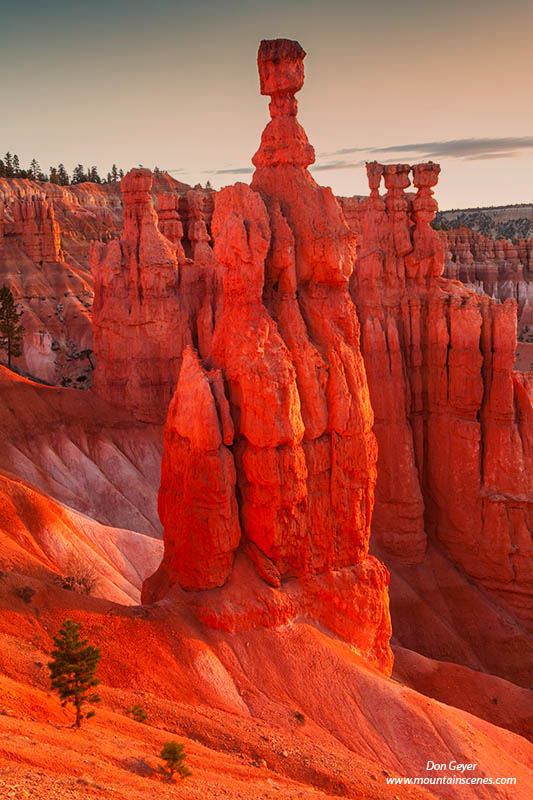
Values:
[(462, 148), (346, 151), (236, 171), (337, 165), (484, 156), (468, 149)]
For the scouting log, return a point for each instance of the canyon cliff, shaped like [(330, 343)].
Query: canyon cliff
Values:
[(499, 268), (46, 232), (453, 420)]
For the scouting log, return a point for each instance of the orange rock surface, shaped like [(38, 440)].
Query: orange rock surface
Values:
[(268, 442), (46, 232), (498, 267), (453, 420)]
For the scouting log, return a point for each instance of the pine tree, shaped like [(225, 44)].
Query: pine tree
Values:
[(10, 330), (2, 169), (62, 174), (121, 173), (8, 161), (54, 177), (174, 756), (78, 175), (73, 669), (114, 173), (34, 170), (16, 166), (93, 175)]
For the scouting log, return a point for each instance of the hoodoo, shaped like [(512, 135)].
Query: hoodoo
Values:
[(279, 466)]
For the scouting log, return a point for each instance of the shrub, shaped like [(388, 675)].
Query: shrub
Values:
[(299, 717), (174, 756), (137, 712), (25, 593), (80, 576)]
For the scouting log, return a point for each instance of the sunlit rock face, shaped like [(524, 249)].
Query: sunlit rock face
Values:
[(51, 288), (453, 420), (269, 451), (501, 268)]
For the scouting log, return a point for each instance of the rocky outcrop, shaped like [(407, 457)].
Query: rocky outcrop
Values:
[(268, 441), (500, 268), (169, 221), (151, 298), (137, 316), (53, 290), (452, 418), (46, 231), (197, 502), (34, 222)]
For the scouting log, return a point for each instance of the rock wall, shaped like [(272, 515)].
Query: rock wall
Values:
[(499, 268), (46, 233), (453, 420), (52, 288), (150, 298)]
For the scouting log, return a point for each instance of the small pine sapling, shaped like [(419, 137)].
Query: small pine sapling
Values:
[(174, 756), (73, 669)]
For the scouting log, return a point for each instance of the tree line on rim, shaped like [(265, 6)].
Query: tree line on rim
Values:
[(10, 168)]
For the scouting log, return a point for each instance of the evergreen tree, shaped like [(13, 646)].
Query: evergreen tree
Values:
[(18, 172), (10, 330), (114, 173), (121, 173), (34, 170), (73, 669), (2, 169), (174, 756), (78, 175), (8, 161), (62, 175), (93, 175), (54, 177)]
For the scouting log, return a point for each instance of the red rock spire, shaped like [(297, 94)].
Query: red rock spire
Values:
[(287, 483), (281, 75)]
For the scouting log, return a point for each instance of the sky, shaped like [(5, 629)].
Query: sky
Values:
[(174, 84)]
